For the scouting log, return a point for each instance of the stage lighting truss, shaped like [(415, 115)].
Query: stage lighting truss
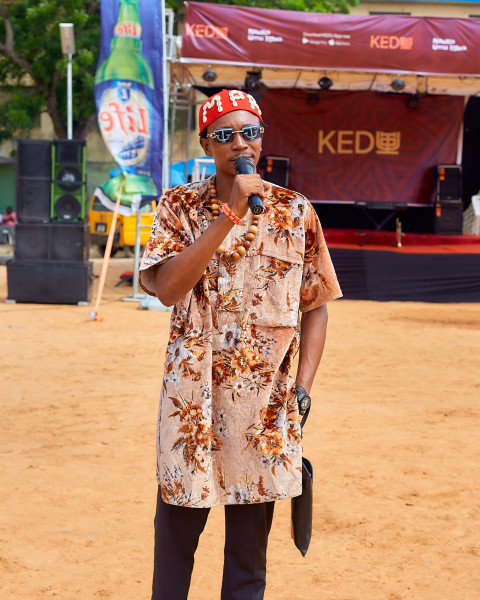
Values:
[(254, 83), (413, 101), (209, 76), (397, 84), (325, 83)]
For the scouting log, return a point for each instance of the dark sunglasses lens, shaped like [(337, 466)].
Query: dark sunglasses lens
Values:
[(223, 135), (251, 132)]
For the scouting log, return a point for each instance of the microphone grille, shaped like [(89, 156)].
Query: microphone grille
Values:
[(244, 166)]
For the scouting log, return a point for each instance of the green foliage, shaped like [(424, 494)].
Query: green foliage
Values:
[(327, 6), (33, 70)]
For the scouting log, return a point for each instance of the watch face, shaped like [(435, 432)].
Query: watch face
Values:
[(304, 403)]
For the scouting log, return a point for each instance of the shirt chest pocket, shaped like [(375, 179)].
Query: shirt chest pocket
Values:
[(272, 288)]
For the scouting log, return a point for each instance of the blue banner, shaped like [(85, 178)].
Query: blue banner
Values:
[(129, 99)]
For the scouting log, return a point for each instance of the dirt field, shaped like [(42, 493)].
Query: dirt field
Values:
[(394, 437)]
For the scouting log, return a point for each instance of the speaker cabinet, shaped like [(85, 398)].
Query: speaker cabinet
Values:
[(68, 191), (449, 183), (49, 282), (448, 219), (51, 242), (34, 158), (277, 169), (34, 171)]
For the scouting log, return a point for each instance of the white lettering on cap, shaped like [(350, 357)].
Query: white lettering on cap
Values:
[(210, 103), (253, 103), (236, 95)]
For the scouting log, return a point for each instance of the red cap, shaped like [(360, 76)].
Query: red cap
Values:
[(224, 102)]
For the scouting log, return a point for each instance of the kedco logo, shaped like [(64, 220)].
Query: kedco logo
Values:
[(391, 42), (200, 30)]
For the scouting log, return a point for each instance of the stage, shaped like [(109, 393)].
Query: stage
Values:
[(426, 268)]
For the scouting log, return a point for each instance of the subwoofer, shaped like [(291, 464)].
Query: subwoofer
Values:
[(49, 282), (68, 191), (448, 219), (34, 171), (51, 242)]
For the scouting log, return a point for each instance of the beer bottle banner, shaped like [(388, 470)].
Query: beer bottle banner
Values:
[(129, 98)]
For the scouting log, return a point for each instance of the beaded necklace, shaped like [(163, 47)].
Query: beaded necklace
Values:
[(239, 249)]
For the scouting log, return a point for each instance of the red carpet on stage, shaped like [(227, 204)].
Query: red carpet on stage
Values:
[(411, 242), (426, 268)]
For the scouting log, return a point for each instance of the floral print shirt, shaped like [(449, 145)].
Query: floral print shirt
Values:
[(228, 423)]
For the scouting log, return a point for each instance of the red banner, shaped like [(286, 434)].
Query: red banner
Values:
[(216, 33), (362, 146)]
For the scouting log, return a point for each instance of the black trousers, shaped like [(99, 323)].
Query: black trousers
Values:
[(177, 531)]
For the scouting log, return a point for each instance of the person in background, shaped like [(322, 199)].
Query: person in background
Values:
[(8, 221), (228, 425)]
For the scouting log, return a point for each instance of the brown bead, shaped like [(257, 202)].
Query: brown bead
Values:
[(227, 255), (255, 220), (214, 206), (247, 244), (235, 256), (215, 213), (253, 229), (221, 249), (241, 250), (250, 236)]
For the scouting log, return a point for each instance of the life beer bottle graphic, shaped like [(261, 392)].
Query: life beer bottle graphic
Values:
[(124, 85)]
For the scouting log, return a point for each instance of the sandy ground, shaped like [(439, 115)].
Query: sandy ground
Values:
[(393, 436)]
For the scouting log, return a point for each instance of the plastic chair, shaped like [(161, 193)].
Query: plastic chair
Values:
[(7, 235)]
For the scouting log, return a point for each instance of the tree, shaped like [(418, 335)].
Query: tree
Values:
[(33, 69), (326, 6)]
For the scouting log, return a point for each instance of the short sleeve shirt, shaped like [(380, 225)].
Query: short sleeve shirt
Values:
[(228, 425)]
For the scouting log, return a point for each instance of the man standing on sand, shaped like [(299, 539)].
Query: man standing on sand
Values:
[(228, 424)]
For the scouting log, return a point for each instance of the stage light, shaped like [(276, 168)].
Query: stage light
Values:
[(325, 83), (397, 85), (209, 76), (413, 101), (254, 83)]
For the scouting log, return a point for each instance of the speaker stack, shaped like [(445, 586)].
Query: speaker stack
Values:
[(277, 169), (448, 219), (50, 263)]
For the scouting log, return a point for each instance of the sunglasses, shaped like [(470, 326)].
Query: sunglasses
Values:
[(225, 135)]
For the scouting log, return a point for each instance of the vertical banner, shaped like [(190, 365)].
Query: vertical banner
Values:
[(129, 98)]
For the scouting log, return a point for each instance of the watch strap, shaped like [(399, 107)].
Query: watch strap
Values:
[(300, 393)]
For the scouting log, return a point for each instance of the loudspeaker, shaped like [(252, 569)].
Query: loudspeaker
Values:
[(49, 282), (449, 183), (68, 192), (448, 219), (51, 242), (276, 169), (34, 170), (34, 158)]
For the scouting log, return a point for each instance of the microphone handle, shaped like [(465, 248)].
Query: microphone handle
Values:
[(255, 203)]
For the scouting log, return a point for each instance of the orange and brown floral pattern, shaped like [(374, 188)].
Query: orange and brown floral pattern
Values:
[(228, 424)]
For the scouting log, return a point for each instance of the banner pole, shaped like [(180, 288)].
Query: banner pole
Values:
[(108, 250), (166, 99)]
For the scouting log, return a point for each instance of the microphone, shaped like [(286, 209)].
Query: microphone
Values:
[(244, 166)]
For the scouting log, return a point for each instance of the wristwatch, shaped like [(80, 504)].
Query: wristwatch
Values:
[(303, 399)]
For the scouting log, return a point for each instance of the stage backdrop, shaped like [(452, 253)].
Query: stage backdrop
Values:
[(362, 146), (129, 97)]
